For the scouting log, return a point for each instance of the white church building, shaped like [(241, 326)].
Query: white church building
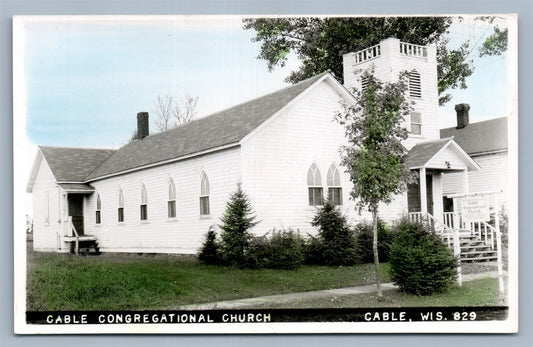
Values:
[(162, 192)]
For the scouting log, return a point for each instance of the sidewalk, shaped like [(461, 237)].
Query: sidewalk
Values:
[(286, 298)]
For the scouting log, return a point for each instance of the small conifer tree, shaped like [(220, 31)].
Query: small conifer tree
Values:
[(336, 236), (209, 253), (238, 219)]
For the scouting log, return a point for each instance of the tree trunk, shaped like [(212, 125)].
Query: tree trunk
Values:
[(375, 249)]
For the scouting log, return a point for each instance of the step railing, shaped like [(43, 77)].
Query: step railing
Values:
[(74, 233), (483, 230), (440, 228)]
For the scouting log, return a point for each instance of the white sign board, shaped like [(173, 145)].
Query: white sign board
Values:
[(475, 210)]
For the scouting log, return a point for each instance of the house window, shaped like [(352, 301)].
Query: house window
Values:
[(98, 209), (204, 196), (334, 186), (314, 186), (144, 204), (171, 199), (416, 123), (415, 89), (120, 206)]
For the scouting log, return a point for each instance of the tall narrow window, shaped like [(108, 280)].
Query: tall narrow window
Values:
[(204, 196), (416, 123), (120, 206), (47, 199), (314, 183), (415, 89), (98, 209), (334, 185), (144, 204), (171, 199)]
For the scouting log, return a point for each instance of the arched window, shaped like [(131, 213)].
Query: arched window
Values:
[(314, 185), (120, 206), (171, 199), (415, 89), (144, 204), (204, 195), (98, 209), (334, 185)]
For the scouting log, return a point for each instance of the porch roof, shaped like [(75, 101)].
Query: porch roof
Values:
[(76, 188), (443, 154)]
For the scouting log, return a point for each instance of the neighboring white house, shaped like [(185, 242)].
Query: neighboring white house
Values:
[(486, 142), (162, 192)]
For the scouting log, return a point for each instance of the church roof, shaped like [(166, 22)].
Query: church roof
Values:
[(74, 164), (480, 137), (221, 129)]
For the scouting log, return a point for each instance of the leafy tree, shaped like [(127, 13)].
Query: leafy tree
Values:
[(319, 43), (338, 244), (374, 156), (496, 43), (238, 219)]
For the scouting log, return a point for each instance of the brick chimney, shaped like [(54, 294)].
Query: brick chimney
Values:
[(462, 115), (142, 125)]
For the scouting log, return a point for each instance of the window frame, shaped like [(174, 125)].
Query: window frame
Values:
[(205, 191), (415, 84), (171, 202), (315, 190), (144, 204), (419, 124), (120, 210), (98, 210), (333, 181)]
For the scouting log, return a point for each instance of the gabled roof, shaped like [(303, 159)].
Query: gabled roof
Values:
[(70, 164), (219, 130), (423, 152), (480, 137)]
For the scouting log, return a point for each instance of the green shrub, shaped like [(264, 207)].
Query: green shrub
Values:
[(209, 253), (420, 263), (236, 222), (313, 251), (285, 250), (281, 250), (336, 236), (364, 237)]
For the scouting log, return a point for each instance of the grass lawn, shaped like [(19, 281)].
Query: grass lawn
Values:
[(481, 292), (122, 282)]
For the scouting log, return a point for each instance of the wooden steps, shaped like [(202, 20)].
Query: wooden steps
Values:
[(473, 249)]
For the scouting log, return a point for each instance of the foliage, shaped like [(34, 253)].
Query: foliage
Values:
[(452, 68), (172, 112), (364, 238), (319, 43), (338, 246), (209, 253), (313, 250), (29, 225), (238, 219), (496, 43), (504, 225), (281, 250), (420, 263), (375, 155)]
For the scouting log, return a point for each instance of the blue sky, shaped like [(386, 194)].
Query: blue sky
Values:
[(85, 79)]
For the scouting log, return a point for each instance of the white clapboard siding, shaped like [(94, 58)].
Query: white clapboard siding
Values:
[(275, 161), (491, 177), (159, 234), (45, 208)]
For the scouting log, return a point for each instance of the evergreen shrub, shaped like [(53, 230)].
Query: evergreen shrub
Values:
[(338, 242), (209, 253), (420, 263), (364, 237)]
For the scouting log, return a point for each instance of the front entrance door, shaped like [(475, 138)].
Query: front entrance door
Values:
[(413, 196), (75, 210)]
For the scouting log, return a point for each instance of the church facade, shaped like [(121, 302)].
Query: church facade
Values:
[(162, 192)]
